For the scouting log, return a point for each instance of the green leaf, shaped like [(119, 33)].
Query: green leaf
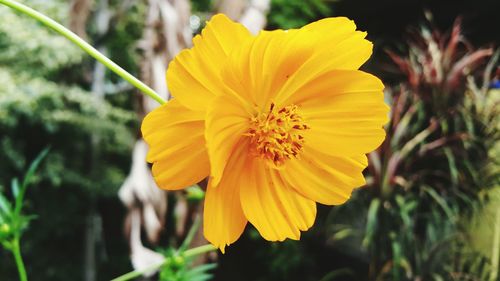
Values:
[(199, 273), (203, 268), (27, 178), (34, 165), (397, 258), (452, 166), (401, 128), (371, 223), (15, 187), (343, 233), (5, 206), (201, 277), (441, 202)]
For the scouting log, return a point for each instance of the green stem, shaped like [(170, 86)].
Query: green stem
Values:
[(16, 250), (189, 253), (137, 273), (84, 46), (192, 232), (199, 250)]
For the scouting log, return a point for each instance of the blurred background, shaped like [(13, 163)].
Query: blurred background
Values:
[(430, 210)]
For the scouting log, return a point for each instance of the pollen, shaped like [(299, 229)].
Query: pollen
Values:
[(275, 135)]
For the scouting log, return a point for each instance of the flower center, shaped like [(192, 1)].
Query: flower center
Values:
[(276, 135)]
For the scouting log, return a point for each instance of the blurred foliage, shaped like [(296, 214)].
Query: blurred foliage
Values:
[(13, 221), (177, 264), (180, 268), (202, 5), (37, 112), (20, 33), (434, 170), (288, 14), (44, 100)]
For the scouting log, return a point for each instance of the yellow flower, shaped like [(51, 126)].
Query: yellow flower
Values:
[(279, 121)]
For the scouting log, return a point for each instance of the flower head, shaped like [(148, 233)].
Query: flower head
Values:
[(279, 121)]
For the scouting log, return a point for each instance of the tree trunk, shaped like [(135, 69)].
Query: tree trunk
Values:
[(166, 33)]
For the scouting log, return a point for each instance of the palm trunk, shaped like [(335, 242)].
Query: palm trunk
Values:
[(166, 33)]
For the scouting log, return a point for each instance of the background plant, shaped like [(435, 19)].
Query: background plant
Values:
[(45, 100), (433, 171), (13, 222)]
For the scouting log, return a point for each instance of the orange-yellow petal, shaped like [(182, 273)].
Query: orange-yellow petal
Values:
[(348, 54), (259, 69), (223, 217), (345, 111), (275, 209), (175, 136), (226, 122), (323, 178), (193, 77)]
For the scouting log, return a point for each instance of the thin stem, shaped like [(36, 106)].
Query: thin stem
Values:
[(189, 253), (84, 46), (136, 273), (199, 250), (192, 232), (16, 251)]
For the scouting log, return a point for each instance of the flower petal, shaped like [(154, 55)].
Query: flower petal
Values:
[(223, 217), (323, 178), (271, 205), (226, 122), (345, 111), (349, 54), (260, 68), (176, 145), (193, 77)]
